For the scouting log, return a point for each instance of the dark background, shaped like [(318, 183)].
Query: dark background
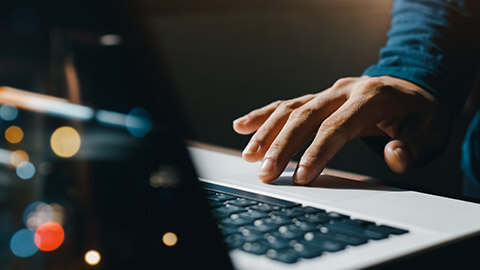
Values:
[(229, 57)]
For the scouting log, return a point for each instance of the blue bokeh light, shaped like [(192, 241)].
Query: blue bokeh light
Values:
[(22, 243), (8, 113), (138, 122), (25, 170)]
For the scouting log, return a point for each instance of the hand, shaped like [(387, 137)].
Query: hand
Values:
[(414, 120)]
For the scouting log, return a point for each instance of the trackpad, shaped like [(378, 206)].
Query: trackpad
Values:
[(326, 188)]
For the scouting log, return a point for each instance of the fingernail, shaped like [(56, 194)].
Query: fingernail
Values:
[(401, 156), (267, 167), (300, 175), (251, 148), (240, 121)]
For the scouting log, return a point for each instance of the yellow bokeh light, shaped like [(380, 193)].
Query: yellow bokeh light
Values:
[(92, 257), (14, 134), (18, 156), (65, 141), (169, 239)]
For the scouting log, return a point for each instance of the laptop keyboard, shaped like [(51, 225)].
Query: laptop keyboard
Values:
[(286, 231)]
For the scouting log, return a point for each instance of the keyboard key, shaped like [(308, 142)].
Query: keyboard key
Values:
[(228, 230), (287, 255), (337, 216), (260, 226), (307, 251), (250, 235), (257, 248), (289, 212), (220, 197), (241, 202), (326, 245), (234, 241), (276, 242), (227, 210), (215, 204), (312, 210), (254, 214), (290, 231), (315, 218), (305, 226), (265, 207), (277, 220), (358, 231), (237, 220), (387, 229), (326, 234), (359, 222)]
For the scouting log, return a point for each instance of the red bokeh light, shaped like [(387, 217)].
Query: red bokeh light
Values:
[(49, 236)]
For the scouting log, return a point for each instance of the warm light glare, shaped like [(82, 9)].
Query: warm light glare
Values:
[(18, 157), (39, 213), (49, 236), (65, 142), (14, 134), (169, 239), (110, 40), (92, 257)]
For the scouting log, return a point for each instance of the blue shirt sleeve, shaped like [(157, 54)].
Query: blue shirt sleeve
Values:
[(434, 44)]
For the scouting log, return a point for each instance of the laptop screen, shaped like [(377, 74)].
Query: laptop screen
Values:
[(93, 171)]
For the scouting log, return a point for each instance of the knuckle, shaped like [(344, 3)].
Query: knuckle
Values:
[(342, 82), (309, 160), (287, 106), (300, 114), (371, 85), (275, 151), (275, 104)]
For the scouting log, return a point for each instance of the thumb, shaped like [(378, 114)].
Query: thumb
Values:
[(398, 156)]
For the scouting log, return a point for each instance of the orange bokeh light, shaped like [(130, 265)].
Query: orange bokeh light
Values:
[(14, 134), (49, 236), (18, 156)]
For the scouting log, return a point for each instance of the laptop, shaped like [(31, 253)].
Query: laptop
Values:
[(96, 175)]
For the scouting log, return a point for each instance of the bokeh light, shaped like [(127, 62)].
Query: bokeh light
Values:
[(65, 141), (25, 170), (49, 236), (38, 213), (170, 239), (92, 257), (8, 113), (138, 122), (18, 156), (22, 243), (14, 134), (31, 210), (110, 40)]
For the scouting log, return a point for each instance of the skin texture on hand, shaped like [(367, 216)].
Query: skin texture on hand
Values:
[(413, 119)]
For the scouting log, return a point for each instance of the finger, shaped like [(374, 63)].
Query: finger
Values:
[(340, 127), (253, 120), (301, 125), (263, 138), (396, 155), (415, 145)]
